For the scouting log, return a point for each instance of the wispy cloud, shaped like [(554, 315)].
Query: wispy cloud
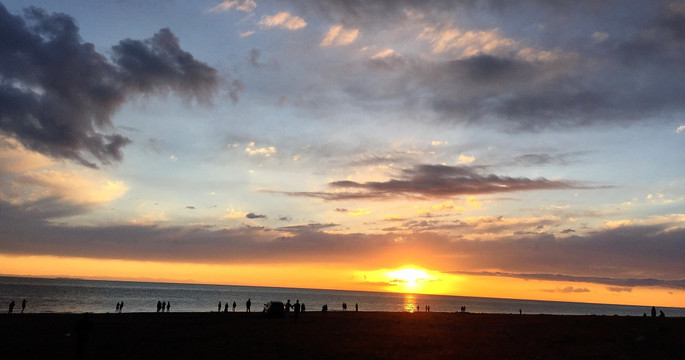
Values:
[(337, 35), (241, 5), (283, 20)]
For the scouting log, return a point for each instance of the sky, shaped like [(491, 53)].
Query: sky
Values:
[(530, 149)]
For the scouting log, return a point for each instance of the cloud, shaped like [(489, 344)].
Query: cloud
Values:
[(255, 216), (466, 159), (680, 129), (264, 151), (435, 181), (337, 35), (360, 212), (241, 5), (568, 289), (70, 187), (283, 20), (624, 69), (50, 110), (616, 284)]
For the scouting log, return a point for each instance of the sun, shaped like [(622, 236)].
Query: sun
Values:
[(409, 278)]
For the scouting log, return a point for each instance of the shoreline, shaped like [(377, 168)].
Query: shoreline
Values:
[(339, 335)]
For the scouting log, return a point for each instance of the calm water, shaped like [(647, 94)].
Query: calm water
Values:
[(77, 296)]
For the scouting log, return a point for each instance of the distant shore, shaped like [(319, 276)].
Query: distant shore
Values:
[(339, 335)]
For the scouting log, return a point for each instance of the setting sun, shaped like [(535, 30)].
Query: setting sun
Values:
[(409, 277)]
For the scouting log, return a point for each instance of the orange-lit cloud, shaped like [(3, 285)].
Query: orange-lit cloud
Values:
[(337, 35), (283, 20)]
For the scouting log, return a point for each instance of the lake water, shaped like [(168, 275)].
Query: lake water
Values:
[(96, 296)]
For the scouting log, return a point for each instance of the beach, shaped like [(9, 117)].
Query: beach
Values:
[(339, 335)]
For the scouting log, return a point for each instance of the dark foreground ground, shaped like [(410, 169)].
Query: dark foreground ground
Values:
[(338, 335)]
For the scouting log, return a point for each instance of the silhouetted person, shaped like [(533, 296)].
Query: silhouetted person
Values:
[(653, 311), (234, 305), (117, 309), (356, 306), (324, 308), (520, 312), (219, 307), (168, 306), (121, 307), (163, 305), (296, 308), (159, 305), (344, 306), (11, 307), (303, 308), (248, 303), (23, 305), (661, 313), (82, 334), (226, 307)]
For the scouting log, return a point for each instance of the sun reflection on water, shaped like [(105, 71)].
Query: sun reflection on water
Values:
[(409, 303)]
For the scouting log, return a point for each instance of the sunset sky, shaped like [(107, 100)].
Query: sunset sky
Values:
[(517, 149)]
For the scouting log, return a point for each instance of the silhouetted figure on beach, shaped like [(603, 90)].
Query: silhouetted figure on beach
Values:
[(82, 331), (248, 303), (653, 311), (11, 307), (159, 305), (296, 308), (661, 313), (117, 309), (303, 308), (23, 305), (344, 306), (163, 305), (520, 312), (168, 306), (121, 307), (219, 307), (356, 306), (226, 307), (234, 305), (324, 308)]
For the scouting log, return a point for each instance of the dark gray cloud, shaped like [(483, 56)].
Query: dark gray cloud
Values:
[(58, 94), (255, 216), (604, 63), (435, 181)]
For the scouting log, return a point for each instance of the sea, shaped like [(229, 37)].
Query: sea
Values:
[(65, 295)]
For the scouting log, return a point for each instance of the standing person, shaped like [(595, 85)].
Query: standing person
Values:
[(168, 306), (117, 310), (23, 305), (296, 307), (219, 307), (226, 307), (121, 307), (11, 307), (248, 303), (159, 305), (234, 305), (356, 307)]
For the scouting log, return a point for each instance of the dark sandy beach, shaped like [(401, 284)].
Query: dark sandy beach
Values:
[(338, 335)]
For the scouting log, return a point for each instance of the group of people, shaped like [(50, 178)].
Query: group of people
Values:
[(344, 306), (661, 313), (12, 305), (226, 306), (163, 305), (120, 307), (297, 307)]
